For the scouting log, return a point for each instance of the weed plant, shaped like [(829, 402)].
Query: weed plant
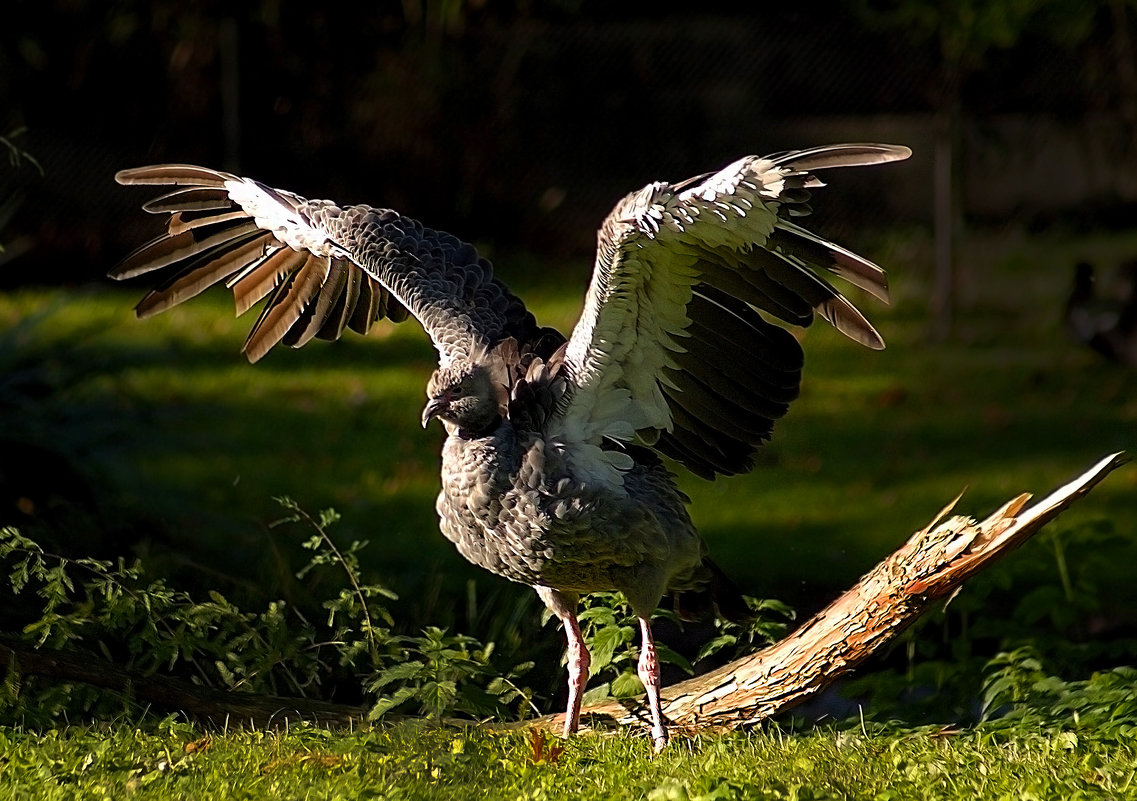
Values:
[(110, 610)]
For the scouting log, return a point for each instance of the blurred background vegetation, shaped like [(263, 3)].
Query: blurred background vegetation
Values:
[(516, 125)]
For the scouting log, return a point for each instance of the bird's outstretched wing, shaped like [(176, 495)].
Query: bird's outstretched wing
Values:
[(324, 268), (671, 350)]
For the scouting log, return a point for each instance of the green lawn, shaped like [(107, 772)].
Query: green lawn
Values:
[(155, 438), (419, 761)]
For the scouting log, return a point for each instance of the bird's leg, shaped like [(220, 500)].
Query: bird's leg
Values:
[(578, 663), (563, 605), (649, 675)]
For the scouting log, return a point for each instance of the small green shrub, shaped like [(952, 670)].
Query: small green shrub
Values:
[(1018, 692), (110, 609), (17, 157)]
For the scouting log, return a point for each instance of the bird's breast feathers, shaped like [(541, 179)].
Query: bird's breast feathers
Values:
[(516, 506)]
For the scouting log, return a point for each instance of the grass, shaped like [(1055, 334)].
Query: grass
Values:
[(177, 448), (413, 760)]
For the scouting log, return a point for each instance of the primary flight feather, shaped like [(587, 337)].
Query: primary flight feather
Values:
[(551, 473)]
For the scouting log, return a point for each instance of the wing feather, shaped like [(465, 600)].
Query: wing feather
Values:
[(701, 449), (188, 220), (812, 249), (197, 198), (368, 309), (172, 175), (671, 343), (205, 271), (259, 279), (166, 250), (315, 313), (341, 311), (287, 306), (323, 268), (754, 277), (797, 278)]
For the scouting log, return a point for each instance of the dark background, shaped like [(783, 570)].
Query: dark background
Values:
[(518, 124)]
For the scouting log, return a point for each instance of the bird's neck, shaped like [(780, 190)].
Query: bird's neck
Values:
[(479, 432)]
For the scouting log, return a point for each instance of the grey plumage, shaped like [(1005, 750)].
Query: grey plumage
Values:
[(550, 472)]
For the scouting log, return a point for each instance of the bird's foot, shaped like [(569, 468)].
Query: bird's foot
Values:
[(659, 737)]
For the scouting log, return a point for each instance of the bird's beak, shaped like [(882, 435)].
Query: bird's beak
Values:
[(432, 408)]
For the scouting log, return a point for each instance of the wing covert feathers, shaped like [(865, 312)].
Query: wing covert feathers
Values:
[(320, 269), (672, 338)]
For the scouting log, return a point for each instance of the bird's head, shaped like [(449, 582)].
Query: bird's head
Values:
[(465, 396)]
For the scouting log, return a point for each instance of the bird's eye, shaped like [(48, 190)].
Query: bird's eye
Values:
[(456, 392)]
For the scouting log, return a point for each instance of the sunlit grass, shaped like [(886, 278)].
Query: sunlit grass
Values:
[(428, 761)]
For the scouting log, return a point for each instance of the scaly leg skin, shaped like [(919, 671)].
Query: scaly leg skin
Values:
[(649, 675), (563, 605), (578, 663)]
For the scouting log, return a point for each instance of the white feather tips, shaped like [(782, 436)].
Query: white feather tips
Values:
[(273, 212)]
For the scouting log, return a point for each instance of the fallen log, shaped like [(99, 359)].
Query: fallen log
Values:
[(929, 567)]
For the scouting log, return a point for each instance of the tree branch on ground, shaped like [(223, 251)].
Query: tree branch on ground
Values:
[(931, 566)]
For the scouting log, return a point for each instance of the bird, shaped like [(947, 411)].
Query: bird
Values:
[(1108, 323), (561, 451)]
